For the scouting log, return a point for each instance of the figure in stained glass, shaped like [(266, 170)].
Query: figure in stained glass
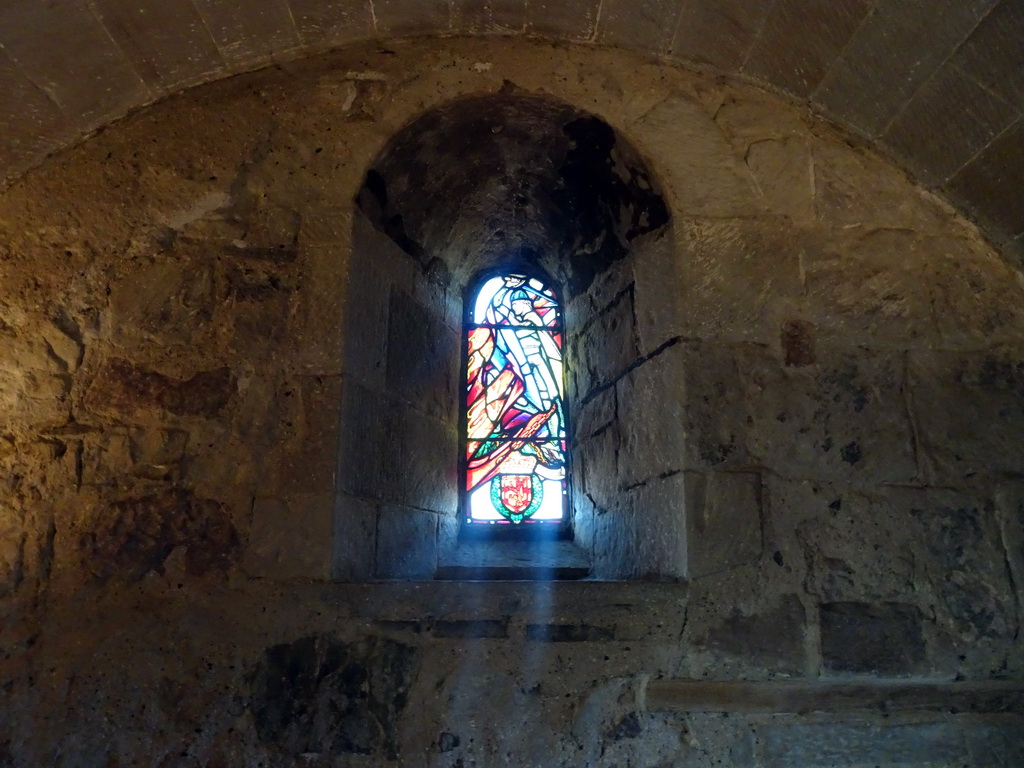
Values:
[(515, 417)]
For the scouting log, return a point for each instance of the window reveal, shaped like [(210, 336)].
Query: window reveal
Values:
[(515, 408)]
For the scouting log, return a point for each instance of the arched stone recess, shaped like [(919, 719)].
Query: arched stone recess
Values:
[(518, 179)]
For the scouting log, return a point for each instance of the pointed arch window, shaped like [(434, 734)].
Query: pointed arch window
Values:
[(514, 462)]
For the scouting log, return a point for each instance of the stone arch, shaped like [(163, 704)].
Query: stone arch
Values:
[(471, 185)]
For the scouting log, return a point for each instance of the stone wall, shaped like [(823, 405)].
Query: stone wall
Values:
[(809, 385)]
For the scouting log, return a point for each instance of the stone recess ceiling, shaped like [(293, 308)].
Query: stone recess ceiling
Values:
[(937, 85)]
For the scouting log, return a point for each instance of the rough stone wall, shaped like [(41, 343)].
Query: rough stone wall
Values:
[(176, 320)]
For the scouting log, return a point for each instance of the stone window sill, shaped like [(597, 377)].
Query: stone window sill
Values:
[(543, 560)]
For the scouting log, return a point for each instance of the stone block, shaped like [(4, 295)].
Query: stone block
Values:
[(845, 417), (132, 537), (406, 543), (833, 744), (250, 31), (644, 535), (417, 460), (316, 333), (399, 18), (364, 437), (968, 411), (488, 16), (725, 186), (605, 347), (312, 465), (640, 25), (892, 53), (168, 44), (740, 274), (716, 421), (651, 412), (318, 695), (355, 539), (658, 275), (883, 639), (720, 34), (772, 638), (723, 520), (422, 358), (977, 297), (595, 467), (31, 122), (800, 41), (120, 386), (982, 182), (291, 538), (869, 290), (171, 302), (844, 544), (574, 20), (67, 49), (961, 566), (995, 745), (857, 189), (783, 172), (971, 115), (594, 415), (991, 54)]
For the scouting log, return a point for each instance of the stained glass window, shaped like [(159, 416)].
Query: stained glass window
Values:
[(515, 468)]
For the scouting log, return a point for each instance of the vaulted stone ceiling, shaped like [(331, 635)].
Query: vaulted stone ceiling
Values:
[(936, 85)]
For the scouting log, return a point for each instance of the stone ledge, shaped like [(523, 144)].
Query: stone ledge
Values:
[(802, 697)]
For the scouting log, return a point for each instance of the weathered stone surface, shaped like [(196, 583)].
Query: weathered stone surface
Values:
[(248, 32), (707, 180), (647, 25), (952, 395), (408, 17), (891, 54), (739, 272), (720, 33), (311, 463), (135, 536), (883, 639), (989, 53), (800, 41), (844, 417), (783, 172), (651, 412), (869, 291), (606, 347), (320, 695), (488, 16), (774, 639), (807, 746), (291, 538), (574, 20), (170, 302), (716, 425), (421, 354), (723, 520), (355, 539), (855, 189), (644, 536), (109, 84), (169, 45), (122, 386), (949, 96), (406, 543), (976, 180)]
